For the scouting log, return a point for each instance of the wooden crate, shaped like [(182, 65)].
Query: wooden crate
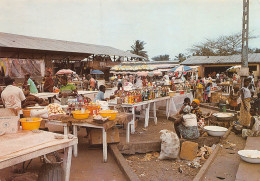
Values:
[(96, 137)]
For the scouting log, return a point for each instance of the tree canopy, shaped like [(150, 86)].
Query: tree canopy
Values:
[(161, 58), (138, 48), (222, 46)]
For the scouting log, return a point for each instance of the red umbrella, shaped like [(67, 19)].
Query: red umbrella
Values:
[(65, 71)]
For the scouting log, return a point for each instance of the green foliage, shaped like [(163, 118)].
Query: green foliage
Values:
[(138, 48), (161, 58)]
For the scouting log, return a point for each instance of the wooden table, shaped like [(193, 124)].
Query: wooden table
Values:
[(26, 145), (88, 123), (147, 110)]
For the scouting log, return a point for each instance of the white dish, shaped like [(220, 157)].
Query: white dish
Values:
[(250, 156), (223, 115), (215, 130)]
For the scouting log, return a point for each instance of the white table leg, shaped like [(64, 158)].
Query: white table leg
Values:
[(154, 113), (66, 130), (75, 147), (167, 107), (67, 163), (104, 145), (147, 112), (128, 132), (132, 123)]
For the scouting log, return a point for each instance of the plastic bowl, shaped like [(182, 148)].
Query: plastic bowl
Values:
[(250, 156), (216, 130), (30, 123), (26, 113), (109, 113), (79, 115)]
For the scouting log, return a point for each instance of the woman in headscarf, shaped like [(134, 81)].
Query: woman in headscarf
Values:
[(196, 109), (199, 90), (187, 126)]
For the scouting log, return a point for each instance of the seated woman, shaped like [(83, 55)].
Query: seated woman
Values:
[(187, 126), (196, 109)]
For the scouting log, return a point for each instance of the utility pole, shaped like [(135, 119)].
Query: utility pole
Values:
[(244, 58)]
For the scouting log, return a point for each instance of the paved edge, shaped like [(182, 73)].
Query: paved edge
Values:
[(123, 165), (211, 158)]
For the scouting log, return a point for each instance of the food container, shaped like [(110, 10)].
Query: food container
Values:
[(171, 94), (26, 113), (109, 113), (216, 130), (224, 116), (251, 156), (79, 115), (30, 123), (93, 108)]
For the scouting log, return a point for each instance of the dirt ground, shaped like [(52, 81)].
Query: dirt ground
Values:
[(226, 163), (148, 166)]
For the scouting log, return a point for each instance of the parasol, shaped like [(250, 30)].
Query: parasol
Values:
[(142, 73), (157, 72), (96, 72), (65, 71), (233, 68), (181, 68)]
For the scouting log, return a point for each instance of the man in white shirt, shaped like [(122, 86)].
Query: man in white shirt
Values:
[(12, 96)]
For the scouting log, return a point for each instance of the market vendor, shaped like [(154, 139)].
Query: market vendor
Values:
[(245, 116), (119, 88), (12, 96), (196, 109), (187, 126), (29, 84), (67, 90), (49, 83), (101, 94)]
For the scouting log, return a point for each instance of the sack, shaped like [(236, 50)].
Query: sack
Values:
[(170, 146)]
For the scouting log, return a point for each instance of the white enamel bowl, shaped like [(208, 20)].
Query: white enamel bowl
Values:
[(250, 156), (215, 130)]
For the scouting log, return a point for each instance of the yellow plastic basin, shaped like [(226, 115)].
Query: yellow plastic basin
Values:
[(30, 123), (109, 113), (79, 115)]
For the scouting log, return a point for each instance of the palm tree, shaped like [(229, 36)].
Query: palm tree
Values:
[(138, 48)]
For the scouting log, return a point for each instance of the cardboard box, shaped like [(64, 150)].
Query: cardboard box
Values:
[(8, 121), (96, 137)]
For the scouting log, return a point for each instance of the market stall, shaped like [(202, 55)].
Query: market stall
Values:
[(22, 148)]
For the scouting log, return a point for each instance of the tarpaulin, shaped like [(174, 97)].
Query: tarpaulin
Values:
[(19, 67)]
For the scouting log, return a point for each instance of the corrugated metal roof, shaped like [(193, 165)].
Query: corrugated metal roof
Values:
[(35, 43), (232, 59)]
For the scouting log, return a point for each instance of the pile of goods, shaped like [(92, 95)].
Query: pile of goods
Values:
[(148, 93), (54, 109), (31, 100)]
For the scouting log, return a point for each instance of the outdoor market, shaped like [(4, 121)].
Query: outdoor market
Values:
[(79, 111)]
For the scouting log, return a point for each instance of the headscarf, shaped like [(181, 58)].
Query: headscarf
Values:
[(196, 101)]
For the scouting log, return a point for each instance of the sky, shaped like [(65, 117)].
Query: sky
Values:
[(166, 26)]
